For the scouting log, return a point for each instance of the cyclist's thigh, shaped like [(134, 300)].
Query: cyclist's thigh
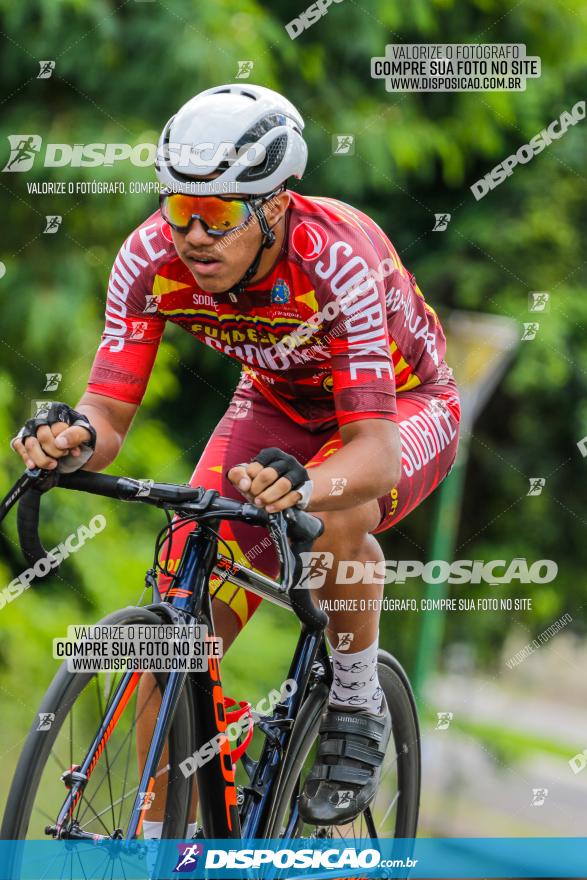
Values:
[(428, 420), (250, 424)]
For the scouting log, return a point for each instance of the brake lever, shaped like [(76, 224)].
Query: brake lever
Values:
[(33, 478), (278, 530)]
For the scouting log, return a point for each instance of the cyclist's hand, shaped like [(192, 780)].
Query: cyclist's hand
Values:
[(58, 437), (269, 480), (241, 476)]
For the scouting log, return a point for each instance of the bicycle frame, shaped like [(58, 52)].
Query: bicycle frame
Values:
[(188, 600)]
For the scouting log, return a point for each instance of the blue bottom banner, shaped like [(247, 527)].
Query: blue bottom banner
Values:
[(485, 857)]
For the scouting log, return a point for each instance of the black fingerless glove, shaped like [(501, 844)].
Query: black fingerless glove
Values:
[(61, 412), (286, 465)]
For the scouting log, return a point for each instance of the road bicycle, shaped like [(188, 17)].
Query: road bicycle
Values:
[(80, 778)]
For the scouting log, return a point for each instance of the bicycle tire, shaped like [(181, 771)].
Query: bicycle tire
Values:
[(60, 697), (406, 736)]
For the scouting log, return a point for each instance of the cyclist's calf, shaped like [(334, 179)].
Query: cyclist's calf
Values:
[(347, 537)]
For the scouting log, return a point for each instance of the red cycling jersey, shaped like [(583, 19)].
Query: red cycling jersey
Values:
[(329, 336)]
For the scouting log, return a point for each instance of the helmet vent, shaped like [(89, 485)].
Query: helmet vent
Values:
[(256, 131), (273, 158)]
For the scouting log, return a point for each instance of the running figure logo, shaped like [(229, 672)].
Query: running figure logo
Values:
[(441, 222), (53, 222), (530, 331), (146, 799), (23, 149), (188, 857), (53, 380), (151, 303), (46, 69), (314, 568), (537, 484), (444, 719), (244, 69), (39, 408), (538, 301), (46, 719), (344, 641), (343, 144), (343, 799), (539, 795), (138, 329), (241, 408), (338, 484)]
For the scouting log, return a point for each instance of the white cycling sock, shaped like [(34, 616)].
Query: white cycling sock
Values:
[(356, 684), (153, 830)]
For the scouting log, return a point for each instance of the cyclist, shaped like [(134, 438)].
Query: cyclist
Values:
[(345, 405)]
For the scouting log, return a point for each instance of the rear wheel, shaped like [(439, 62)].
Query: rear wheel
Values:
[(394, 812), (68, 720)]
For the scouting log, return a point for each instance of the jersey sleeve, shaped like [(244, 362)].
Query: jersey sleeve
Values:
[(361, 360), (132, 332)]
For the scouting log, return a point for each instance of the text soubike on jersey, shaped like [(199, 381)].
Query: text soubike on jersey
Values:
[(329, 336)]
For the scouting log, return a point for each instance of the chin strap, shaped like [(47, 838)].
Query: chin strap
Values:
[(267, 242)]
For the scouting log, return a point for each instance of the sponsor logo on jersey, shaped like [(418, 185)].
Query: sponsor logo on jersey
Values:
[(309, 240), (280, 292), (328, 383), (417, 324), (425, 435), (166, 232), (367, 339)]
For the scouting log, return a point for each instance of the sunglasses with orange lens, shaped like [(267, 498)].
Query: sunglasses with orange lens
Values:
[(217, 215)]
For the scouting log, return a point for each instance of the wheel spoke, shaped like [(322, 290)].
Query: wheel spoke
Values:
[(97, 816), (80, 863), (60, 764), (389, 809), (44, 814)]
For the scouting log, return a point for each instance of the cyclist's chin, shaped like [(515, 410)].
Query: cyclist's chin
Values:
[(214, 277)]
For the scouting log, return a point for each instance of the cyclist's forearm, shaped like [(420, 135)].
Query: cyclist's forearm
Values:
[(363, 469)]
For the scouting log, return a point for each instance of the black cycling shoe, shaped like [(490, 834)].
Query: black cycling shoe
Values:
[(344, 779)]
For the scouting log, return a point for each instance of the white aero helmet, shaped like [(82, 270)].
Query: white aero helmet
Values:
[(248, 136)]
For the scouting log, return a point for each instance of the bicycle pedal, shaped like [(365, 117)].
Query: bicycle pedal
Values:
[(268, 728), (268, 721)]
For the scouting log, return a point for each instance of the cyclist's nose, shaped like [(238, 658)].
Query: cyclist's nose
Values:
[(197, 235)]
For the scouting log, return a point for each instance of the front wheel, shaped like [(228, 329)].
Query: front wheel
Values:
[(61, 736), (394, 812)]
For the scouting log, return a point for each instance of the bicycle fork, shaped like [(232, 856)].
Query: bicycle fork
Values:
[(76, 778)]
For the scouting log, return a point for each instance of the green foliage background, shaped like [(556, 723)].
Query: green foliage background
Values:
[(121, 71)]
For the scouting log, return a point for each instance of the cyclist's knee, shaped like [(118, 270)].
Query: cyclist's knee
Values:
[(348, 529)]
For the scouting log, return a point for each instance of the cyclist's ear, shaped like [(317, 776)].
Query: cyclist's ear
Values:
[(276, 207)]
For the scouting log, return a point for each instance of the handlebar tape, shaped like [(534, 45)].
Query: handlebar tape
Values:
[(27, 522)]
